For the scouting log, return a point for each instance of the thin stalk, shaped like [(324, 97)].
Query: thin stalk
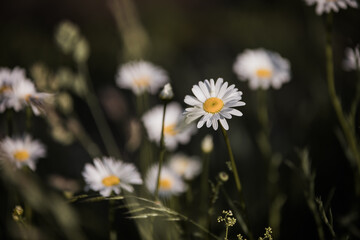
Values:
[(226, 232), (233, 166), (356, 101), (345, 125), (263, 117), (112, 231), (273, 161), (96, 111), (84, 139), (315, 212), (162, 153), (237, 181)]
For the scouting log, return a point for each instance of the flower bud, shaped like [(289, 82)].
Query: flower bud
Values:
[(207, 144), (166, 93)]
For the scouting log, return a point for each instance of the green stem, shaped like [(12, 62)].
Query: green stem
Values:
[(162, 153), (96, 111), (233, 165), (345, 125), (273, 161), (112, 232), (316, 215), (84, 139), (263, 117), (226, 232), (237, 181)]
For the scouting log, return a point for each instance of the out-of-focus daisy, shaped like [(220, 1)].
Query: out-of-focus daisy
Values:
[(262, 68), (108, 175), (17, 92), (7, 78), (141, 77), (352, 59), (175, 129), (213, 102), (24, 94), (185, 166), (331, 5), (170, 183), (22, 151)]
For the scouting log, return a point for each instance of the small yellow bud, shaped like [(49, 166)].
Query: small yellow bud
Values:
[(224, 177)]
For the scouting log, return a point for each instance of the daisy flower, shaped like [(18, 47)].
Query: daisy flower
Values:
[(185, 166), (170, 183), (22, 151), (7, 78), (331, 5), (24, 94), (141, 77), (108, 175), (352, 59), (175, 129), (262, 68), (213, 102)]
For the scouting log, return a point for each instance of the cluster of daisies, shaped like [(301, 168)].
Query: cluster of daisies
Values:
[(108, 175), (17, 93), (213, 103)]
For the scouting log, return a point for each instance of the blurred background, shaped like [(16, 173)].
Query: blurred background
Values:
[(197, 40)]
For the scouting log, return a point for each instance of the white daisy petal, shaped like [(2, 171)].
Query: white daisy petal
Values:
[(352, 59), (333, 5), (224, 123), (198, 93), (191, 100)]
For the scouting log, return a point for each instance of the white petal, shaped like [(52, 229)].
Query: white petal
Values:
[(224, 123), (190, 100), (198, 93), (236, 112)]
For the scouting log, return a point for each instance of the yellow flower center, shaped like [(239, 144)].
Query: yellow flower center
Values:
[(213, 105), (263, 73), (27, 97), (165, 184), (142, 81), (111, 181), (4, 89), (21, 155), (170, 130)]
